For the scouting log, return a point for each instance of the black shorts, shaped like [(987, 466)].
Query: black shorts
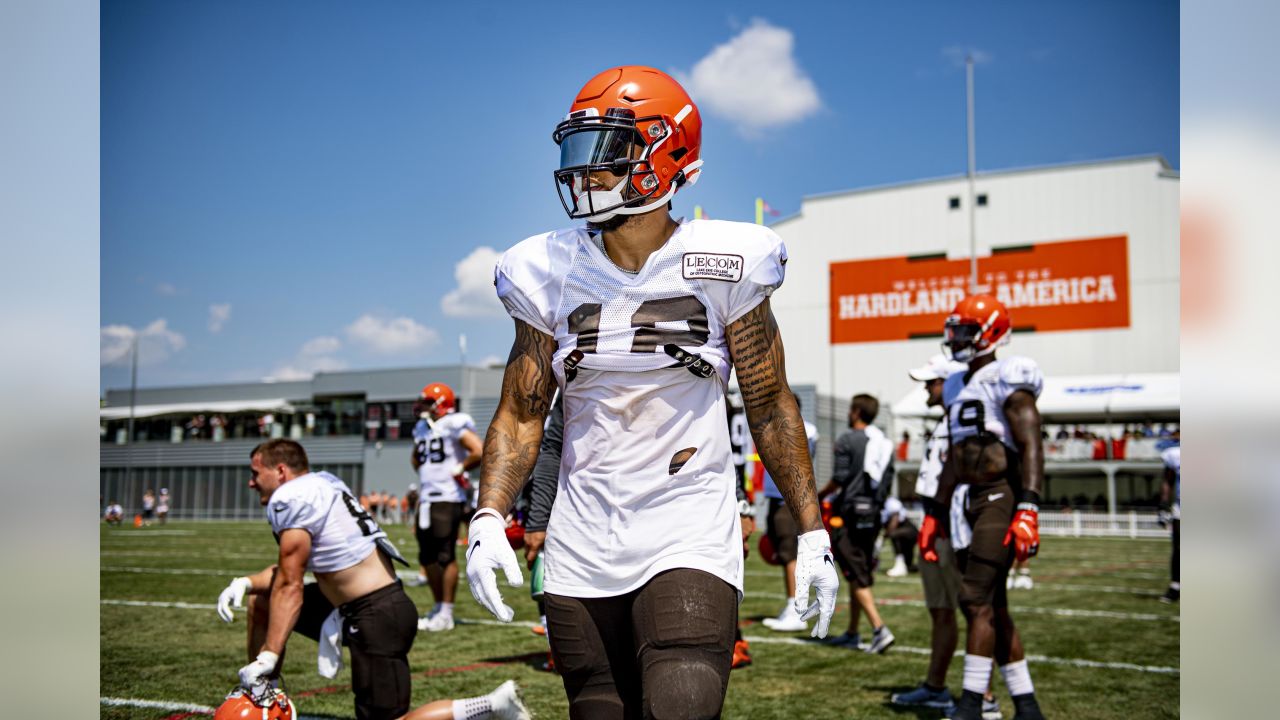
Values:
[(986, 562), (855, 552), (438, 544), (782, 531), (663, 650), (378, 629)]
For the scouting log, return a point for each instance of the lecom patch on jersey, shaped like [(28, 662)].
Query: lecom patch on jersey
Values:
[(712, 266)]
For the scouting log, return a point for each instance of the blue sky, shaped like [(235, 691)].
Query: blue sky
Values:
[(293, 187)]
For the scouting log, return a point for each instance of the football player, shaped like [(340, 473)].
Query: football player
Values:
[(356, 599), (940, 575), (1171, 511), (445, 447), (781, 529), (639, 319), (996, 449)]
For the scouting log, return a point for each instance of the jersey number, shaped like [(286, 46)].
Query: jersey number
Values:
[(972, 414), (432, 451), (363, 519), (584, 322)]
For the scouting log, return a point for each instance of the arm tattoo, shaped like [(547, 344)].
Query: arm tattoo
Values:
[(772, 412), (511, 445)]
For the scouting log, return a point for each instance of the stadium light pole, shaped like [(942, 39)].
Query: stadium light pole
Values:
[(133, 399), (973, 234)]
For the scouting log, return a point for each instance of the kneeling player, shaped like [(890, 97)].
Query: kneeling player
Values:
[(321, 528), (996, 449)]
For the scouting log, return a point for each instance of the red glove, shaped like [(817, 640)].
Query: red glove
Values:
[(1024, 531), (929, 534)]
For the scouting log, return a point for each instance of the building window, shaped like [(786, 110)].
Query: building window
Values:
[(982, 200), (954, 202)]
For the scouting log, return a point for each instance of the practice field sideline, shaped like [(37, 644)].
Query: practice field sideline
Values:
[(1100, 644)]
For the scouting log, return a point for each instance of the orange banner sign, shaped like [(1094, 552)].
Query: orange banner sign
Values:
[(1069, 285)]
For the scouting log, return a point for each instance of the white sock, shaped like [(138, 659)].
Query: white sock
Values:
[(790, 607), (977, 673), (1017, 678), (1024, 571), (476, 708), (446, 609)]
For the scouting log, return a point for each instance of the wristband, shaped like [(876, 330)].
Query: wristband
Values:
[(488, 511), (744, 508), (1029, 506)]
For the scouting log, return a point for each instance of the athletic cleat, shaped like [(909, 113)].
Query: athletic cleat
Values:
[(924, 697), (899, 568), (439, 622), (506, 703), (741, 655), (1023, 581), (881, 641), (550, 664), (1026, 708), (1170, 596), (991, 709), (418, 581), (844, 640), (967, 707), (538, 630)]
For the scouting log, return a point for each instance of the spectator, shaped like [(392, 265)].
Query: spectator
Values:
[(1063, 433), (114, 514), (148, 506), (903, 446), (162, 507)]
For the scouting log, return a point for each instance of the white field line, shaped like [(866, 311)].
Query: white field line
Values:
[(134, 533), (1074, 662), (402, 574), (267, 556), (1061, 612), (174, 706), (1114, 589)]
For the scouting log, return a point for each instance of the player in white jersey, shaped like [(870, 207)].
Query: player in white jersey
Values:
[(1171, 512), (639, 319), (355, 601), (445, 447), (939, 573), (996, 449)]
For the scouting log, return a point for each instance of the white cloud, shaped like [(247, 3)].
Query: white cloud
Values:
[(323, 345), (155, 343), (389, 337), (955, 55), (474, 295), (219, 314), (754, 80), (166, 289)]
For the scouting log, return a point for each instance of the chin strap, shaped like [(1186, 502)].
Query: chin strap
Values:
[(690, 174)]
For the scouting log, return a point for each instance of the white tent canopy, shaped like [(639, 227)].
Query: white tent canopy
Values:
[(1086, 398), (187, 408)]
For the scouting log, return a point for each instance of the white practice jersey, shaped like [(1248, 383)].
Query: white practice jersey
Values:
[(935, 457), (646, 473), (811, 434), (978, 406), (1172, 458), (342, 533), (439, 448)]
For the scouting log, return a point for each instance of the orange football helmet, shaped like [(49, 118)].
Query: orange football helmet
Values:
[(437, 399), (271, 704), (639, 125), (977, 325)]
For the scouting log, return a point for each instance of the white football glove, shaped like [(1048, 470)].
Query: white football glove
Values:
[(815, 566), (487, 551), (259, 671), (233, 595)]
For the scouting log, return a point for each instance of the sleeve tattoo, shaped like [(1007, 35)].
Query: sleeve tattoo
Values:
[(772, 412), (511, 444)]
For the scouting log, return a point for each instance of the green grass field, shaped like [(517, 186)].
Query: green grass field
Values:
[(1101, 646)]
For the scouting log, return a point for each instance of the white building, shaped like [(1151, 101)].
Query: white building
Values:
[(1087, 253)]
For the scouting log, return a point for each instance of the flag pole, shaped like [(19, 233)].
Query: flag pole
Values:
[(759, 211)]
